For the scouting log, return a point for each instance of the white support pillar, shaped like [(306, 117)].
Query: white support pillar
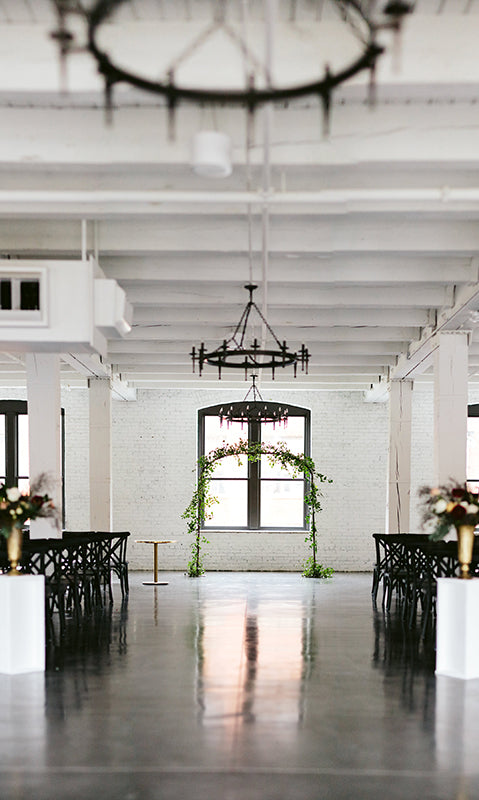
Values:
[(44, 426), (100, 454), (450, 406), (399, 478)]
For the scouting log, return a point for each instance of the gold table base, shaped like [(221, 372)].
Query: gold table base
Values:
[(155, 543)]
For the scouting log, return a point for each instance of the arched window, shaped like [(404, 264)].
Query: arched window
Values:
[(256, 496), (14, 445)]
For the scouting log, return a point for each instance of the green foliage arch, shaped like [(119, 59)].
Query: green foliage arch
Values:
[(198, 510)]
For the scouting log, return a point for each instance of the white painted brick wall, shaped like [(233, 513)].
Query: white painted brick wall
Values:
[(154, 446), (154, 455)]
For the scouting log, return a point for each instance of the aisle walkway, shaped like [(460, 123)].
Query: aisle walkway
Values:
[(240, 687)]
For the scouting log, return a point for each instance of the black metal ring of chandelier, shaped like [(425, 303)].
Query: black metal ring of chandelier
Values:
[(250, 97), (233, 353), (254, 410), (270, 358)]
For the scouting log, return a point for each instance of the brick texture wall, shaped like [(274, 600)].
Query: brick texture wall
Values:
[(154, 455)]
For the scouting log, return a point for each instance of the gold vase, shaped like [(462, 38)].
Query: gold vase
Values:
[(14, 549), (465, 543)]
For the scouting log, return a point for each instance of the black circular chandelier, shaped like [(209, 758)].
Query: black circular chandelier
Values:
[(236, 353), (254, 409), (363, 21)]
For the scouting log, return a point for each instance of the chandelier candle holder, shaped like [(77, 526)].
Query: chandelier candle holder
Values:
[(235, 354), (254, 409)]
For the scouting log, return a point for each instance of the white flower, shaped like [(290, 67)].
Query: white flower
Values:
[(464, 504), (472, 508), (13, 494), (440, 506)]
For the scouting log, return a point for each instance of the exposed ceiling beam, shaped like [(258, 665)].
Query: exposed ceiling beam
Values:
[(420, 353), (285, 296), (300, 316), (371, 268)]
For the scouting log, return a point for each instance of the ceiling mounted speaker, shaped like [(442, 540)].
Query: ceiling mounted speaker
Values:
[(211, 154)]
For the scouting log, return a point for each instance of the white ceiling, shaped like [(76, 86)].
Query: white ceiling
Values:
[(372, 234)]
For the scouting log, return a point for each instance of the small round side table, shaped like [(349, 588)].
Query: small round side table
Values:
[(155, 543)]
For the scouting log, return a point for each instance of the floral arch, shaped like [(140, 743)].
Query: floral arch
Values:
[(202, 499)]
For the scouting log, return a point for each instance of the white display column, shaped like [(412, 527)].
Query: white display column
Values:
[(399, 477), (100, 454), (450, 406), (44, 426), (457, 645), (22, 623)]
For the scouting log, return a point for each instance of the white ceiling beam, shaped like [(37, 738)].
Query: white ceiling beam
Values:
[(296, 335), (211, 375), (375, 268), (193, 234), (121, 390), (111, 203), (133, 369), (285, 296), (357, 135), (447, 237), (328, 348), (420, 353), (89, 365), (182, 357), (390, 317)]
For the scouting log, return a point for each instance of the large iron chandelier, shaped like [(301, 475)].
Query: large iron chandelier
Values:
[(254, 409), (237, 353), (360, 15)]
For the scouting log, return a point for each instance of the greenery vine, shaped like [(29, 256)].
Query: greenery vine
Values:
[(199, 508)]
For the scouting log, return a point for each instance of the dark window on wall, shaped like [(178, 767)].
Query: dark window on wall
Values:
[(256, 496), (14, 448)]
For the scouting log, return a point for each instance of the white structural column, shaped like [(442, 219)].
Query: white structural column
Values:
[(100, 454), (450, 406), (399, 479), (44, 425)]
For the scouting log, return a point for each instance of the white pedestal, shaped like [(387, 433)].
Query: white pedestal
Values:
[(22, 623), (457, 642)]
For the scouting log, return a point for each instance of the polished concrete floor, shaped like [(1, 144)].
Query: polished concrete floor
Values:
[(240, 686)]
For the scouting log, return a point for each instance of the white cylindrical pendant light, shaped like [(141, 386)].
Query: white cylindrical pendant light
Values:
[(211, 154)]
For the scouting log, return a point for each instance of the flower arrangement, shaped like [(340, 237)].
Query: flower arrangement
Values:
[(448, 506), (16, 508)]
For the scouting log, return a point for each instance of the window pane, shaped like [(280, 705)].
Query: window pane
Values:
[(293, 435), (24, 485), (23, 453), (231, 511), (282, 504), (2, 447), (215, 436)]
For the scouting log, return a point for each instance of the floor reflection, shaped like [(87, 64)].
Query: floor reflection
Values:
[(85, 648), (90, 639), (253, 661), (403, 654)]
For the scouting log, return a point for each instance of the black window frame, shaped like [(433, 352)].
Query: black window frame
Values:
[(254, 470), (11, 410)]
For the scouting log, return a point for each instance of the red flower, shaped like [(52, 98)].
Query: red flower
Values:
[(458, 511), (458, 493)]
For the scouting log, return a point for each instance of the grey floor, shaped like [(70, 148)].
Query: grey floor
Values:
[(244, 686)]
